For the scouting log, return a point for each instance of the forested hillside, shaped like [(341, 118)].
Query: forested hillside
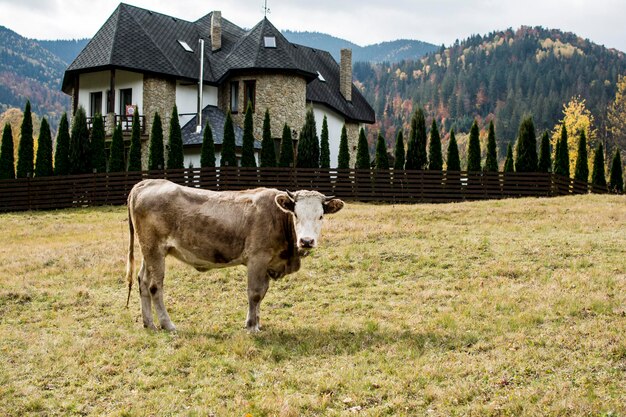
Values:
[(502, 77)]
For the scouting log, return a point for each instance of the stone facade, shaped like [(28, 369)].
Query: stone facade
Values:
[(352, 129), (159, 95), (283, 95), (345, 74)]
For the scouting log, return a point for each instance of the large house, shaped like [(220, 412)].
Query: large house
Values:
[(149, 61)]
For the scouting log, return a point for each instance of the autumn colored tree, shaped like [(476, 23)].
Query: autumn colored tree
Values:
[(616, 181), (597, 175), (156, 151), (576, 118), (268, 153), (545, 160), (382, 160), (453, 162), (285, 158), (362, 152), (229, 157), (582, 161), (7, 164), (399, 154), (435, 157), (80, 148), (98, 151), (175, 156), (43, 163), (25, 152), (62, 151), (247, 150), (473, 149), (116, 156), (616, 114), (508, 162), (207, 152), (491, 163), (343, 159), (308, 144)]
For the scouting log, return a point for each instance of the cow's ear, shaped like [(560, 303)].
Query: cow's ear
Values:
[(332, 206), (285, 203)]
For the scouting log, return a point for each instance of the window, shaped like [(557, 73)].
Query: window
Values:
[(95, 103), (126, 100), (321, 77), (234, 96), (269, 41), (249, 92), (185, 46)]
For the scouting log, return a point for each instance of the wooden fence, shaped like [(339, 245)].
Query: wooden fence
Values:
[(357, 185)]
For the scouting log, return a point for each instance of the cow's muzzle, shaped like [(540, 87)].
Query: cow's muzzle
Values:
[(306, 243)]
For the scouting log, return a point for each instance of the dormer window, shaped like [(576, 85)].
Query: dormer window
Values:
[(270, 41), (185, 46), (321, 77)]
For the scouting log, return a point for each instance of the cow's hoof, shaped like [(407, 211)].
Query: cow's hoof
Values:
[(169, 327), (253, 329), (150, 326)]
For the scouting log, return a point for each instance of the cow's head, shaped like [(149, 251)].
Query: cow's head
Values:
[(308, 208)]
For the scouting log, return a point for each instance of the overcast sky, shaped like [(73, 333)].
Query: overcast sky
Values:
[(363, 22)]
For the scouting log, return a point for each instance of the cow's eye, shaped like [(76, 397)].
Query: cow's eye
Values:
[(321, 217)]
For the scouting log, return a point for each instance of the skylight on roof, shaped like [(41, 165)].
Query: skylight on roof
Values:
[(270, 41), (185, 46), (321, 77)]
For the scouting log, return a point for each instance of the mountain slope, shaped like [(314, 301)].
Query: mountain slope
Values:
[(66, 50)]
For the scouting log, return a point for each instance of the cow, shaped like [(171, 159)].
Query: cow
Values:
[(265, 229)]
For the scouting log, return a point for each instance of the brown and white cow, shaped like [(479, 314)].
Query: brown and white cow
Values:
[(265, 229)]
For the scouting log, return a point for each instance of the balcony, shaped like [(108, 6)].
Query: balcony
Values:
[(125, 121)]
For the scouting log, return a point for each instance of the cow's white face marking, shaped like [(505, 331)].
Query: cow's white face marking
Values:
[(308, 208)]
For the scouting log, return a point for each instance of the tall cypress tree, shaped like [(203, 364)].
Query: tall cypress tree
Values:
[(382, 160), (308, 145), (116, 157), (134, 154), (25, 152), (526, 147), (473, 149), (175, 158), (617, 177), (508, 163), (7, 164), (362, 152), (247, 151), (207, 153), (491, 163), (43, 163), (62, 151), (399, 153), (412, 151), (156, 152), (545, 160), (324, 146), (286, 148), (98, 151), (80, 148), (597, 176), (229, 157), (435, 157), (343, 159), (561, 159), (268, 153), (453, 162), (422, 157), (581, 172)]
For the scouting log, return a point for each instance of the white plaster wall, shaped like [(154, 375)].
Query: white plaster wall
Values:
[(192, 156), (335, 124), (93, 82), (126, 79), (187, 100)]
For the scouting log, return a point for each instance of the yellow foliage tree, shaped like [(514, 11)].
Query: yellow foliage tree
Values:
[(14, 116), (576, 118), (616, 115)]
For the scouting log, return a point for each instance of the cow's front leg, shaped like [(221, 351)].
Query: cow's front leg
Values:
[(258, 283), (146, 301), (155, 274)]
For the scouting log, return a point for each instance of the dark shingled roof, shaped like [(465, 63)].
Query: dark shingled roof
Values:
[(141, 40), (215, 118)]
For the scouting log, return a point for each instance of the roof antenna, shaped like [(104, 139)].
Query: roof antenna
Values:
[(266, 10)]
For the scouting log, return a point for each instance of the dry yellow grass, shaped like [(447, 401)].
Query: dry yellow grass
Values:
[(513, 307)]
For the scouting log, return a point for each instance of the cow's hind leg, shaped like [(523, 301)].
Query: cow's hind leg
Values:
[(258, 283), (155, 271), (146, 301)]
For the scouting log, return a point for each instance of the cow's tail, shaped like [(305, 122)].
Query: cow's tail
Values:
[(130, 263)]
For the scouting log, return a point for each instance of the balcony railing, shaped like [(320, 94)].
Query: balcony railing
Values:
[(125, 121)]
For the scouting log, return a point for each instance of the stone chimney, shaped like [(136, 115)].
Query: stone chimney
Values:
[(216, 31), (345, 74)]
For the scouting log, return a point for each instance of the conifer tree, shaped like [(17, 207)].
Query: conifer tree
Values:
[(43, 163), (25, 152), (156, 152), (62, 151), (7, 164), (175, 157), (308, 144), (473, 149), (134, 153), (561, 159), (268, 153), (545, 160), (597, 176), (98, 151), (422, 157), (491, 163), (382, 160), (435, 157), (581, 172), (617, 177), (286, 148), (453, 162), (207, 153), (526, 154), (247, 151), (324, 146), (412, 147), (343, 159), (80, 148), (399, 154), (229, 158), (116, 157), (508, 163), (362, 152)]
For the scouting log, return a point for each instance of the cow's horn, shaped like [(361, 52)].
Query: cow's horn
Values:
[(291, 195), (329, 197)]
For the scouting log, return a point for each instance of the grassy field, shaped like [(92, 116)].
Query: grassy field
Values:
[(513, 307)]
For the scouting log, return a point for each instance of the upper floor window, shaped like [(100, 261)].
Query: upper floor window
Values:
[(249, 93), (234, 97), (95, 103), (269, 41), (126, 102)]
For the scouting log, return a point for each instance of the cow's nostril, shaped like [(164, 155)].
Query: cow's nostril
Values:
[(306, 242)]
